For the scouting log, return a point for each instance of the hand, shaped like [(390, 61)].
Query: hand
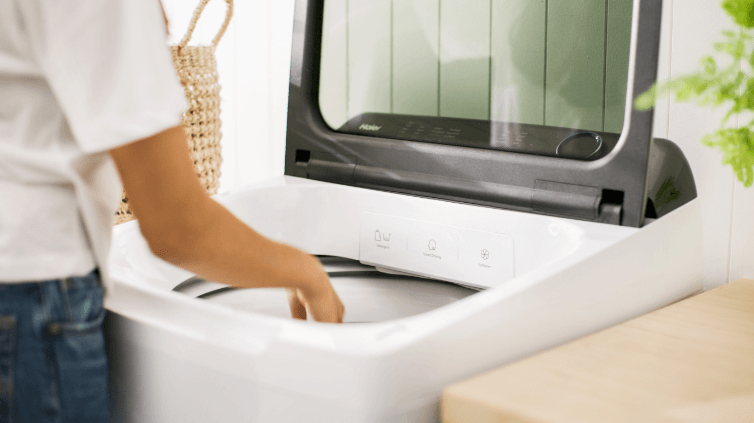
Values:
[(320, 299)]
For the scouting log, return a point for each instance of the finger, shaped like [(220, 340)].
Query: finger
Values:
[(298, 308), (302, 301), (329, 311)]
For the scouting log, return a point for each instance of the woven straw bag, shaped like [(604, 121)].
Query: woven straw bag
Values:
[(197, 70)]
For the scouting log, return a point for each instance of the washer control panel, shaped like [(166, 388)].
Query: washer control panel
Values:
[(465, 256)]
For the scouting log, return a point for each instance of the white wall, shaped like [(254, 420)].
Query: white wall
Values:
[(253, 61)]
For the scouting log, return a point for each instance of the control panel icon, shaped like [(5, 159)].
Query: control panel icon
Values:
[(381, 236), (432, 245), (485, 254)]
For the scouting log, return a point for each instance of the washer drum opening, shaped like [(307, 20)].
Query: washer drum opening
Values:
[(369, 295)]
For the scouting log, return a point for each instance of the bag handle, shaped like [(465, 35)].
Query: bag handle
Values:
[(192, 25)]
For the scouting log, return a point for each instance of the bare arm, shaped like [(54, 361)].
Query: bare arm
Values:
[(184, 226)]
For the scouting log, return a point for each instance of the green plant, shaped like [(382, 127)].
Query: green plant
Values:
[(731, 86)]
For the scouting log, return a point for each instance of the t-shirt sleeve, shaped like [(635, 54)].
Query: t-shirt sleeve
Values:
[(109, 66)]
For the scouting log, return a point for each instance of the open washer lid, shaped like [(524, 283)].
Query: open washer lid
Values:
[(471, 148)]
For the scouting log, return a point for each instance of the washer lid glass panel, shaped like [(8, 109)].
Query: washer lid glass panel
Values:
[(543, 77)]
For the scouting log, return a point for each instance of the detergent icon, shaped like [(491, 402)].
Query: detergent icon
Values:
[(377, 236)]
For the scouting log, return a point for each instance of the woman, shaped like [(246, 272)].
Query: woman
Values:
[(88, 93)]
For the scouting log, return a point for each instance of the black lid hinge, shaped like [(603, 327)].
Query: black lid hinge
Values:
[(578, 201), (552, 198)]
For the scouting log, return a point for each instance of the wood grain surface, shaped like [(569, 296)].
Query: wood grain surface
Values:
[(690, 362)]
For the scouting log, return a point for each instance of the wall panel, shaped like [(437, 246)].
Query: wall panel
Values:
[(333, 81), (465, 58), (518, 61), (369, 56), (742, 234), (616, 66), (696, 26), (575, 63), (416, 57)]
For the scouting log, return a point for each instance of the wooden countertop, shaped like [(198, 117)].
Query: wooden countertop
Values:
[(690, 362)]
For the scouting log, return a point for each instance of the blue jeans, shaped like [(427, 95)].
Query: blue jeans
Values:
[(53, 367)]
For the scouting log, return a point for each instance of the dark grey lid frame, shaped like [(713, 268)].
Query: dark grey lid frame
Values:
[(517, 181)]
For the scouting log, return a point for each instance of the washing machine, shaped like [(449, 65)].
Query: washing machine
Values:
[(456, 244)]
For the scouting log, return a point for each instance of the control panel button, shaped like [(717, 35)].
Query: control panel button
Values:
[(487, 256), (389, 239), (433, 247)]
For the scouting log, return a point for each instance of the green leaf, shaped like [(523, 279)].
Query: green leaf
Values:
[(737, 146), (742, 11), (710, 67), (647, 99)]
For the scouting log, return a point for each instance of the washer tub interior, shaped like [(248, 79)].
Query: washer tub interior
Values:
[(368, 294)]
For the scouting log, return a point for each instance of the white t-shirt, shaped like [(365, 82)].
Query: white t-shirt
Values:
[(77, 78)]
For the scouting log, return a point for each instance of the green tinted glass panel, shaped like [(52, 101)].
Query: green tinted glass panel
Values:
[(536, 76)]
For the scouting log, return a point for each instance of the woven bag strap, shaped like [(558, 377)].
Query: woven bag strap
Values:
[(195, 18)]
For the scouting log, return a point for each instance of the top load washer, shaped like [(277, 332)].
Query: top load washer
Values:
[(472, 206)]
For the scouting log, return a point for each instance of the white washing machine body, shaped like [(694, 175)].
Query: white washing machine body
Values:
[(176, 358)]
